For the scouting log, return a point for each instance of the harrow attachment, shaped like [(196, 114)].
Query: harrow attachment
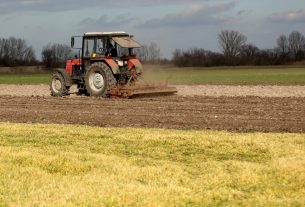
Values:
[(143, 90)]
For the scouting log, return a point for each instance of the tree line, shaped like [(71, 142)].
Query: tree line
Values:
[(15, 52), (235, 50)]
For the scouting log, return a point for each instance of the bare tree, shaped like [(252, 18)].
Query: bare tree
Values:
[(56, 55), (143, 53), (248, 54), (231, 42), (249, 50), (154, 54), (29, 55), (296, 45), (282, 44), (15, 52), (150, 53)]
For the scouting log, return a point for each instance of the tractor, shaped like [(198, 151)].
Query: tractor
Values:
[(106, 66)]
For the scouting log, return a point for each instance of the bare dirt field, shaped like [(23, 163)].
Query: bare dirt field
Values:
[(239, 113), (183, 90)]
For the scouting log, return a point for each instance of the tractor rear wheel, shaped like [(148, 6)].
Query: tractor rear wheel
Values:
[(99, 79), (58, 85)]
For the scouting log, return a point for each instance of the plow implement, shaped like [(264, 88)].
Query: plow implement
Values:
[(136, 91)]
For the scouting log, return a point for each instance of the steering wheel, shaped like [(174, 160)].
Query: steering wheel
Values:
[(101, 50)]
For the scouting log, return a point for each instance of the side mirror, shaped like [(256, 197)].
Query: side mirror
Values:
[(72, 42)]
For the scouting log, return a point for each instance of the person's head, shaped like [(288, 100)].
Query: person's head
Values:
[(110, 45)]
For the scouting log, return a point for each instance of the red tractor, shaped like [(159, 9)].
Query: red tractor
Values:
[(107, 66)]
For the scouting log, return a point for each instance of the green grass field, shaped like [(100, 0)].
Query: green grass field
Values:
[(64, 165), (25, 78), (229, 75), (222, 75)]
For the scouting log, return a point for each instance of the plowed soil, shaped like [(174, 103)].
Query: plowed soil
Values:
[(183, 90), (242, 114)]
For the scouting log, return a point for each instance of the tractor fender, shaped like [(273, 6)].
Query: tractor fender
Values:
[(113, 65), (135, 63), (66, 76)]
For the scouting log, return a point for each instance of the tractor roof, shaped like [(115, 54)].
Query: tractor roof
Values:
[(126, 42), (121, 38), (120, 33)]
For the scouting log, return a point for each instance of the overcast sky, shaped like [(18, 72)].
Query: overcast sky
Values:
[(170, 23)]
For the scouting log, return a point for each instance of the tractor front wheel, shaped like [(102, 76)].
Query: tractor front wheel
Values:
[(99, 79), (58, 85)]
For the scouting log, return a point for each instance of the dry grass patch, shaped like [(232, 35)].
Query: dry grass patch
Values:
[(64, 165)]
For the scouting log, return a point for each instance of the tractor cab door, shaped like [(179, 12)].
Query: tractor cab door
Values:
[(94, 47)]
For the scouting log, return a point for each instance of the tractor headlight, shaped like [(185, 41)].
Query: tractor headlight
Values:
[(120, 63)]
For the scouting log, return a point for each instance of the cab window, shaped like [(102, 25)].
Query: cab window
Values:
[(95, 47), (88, 47), (101, 46)]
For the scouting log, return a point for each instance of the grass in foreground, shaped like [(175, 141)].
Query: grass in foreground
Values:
[(63, 165)]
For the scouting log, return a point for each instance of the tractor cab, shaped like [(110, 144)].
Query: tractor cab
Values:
[(107, 45), (119, 45), (114, 49)]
